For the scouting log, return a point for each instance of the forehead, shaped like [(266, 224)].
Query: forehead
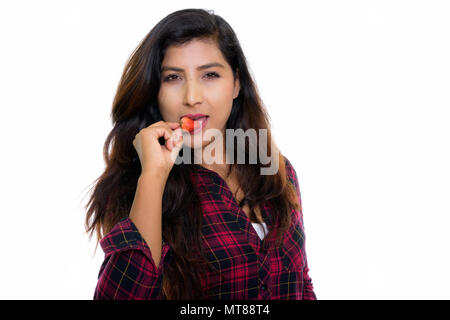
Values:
[(193, 53)]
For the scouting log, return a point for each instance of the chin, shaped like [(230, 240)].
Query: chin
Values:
[(198, 142)]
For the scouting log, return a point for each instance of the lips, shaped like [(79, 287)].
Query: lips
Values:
[(199, 124), (194, 116), (199, 121)]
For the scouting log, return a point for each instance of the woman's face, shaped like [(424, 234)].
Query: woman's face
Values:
[(196, 79)]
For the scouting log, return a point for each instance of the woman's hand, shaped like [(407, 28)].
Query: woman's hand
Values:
[(155, 158)]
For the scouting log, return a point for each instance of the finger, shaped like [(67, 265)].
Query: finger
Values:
[(176, 150), (169, 125), (161, 131), (173, 125), (170, 128), (177, 136), (169, 144)]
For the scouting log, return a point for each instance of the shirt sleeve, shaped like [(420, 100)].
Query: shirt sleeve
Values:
[(128, 271), (308, 290)]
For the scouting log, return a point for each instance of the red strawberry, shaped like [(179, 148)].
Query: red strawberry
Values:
[(187, 124)]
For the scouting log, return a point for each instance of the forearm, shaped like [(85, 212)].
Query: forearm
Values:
[(128, 271), (146, 212)]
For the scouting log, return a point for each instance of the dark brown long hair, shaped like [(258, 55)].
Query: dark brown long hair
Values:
[(135, 106)]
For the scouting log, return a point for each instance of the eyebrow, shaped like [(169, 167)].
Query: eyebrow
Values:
[(205, 66)]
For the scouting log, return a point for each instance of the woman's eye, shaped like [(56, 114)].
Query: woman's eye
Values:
[(212, 75), (170, 77)]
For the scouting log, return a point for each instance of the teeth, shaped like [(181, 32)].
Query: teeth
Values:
[(199, 122)]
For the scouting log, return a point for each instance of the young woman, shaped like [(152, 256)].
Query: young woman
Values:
[(194, 230)]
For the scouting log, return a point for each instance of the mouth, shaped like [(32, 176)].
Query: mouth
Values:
[(194, 116), (199, 124)]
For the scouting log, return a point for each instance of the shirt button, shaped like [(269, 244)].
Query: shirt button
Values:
[(264, 287)]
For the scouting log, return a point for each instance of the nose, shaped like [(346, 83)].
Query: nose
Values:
[(192, 93)]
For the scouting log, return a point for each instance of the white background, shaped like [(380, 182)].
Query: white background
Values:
[(358, 92)]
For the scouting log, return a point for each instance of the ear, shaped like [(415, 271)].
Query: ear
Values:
[(237, 85)]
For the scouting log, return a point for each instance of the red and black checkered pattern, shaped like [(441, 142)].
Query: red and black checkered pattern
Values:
[(248, 268)]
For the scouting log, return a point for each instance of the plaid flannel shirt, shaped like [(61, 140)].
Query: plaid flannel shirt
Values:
[(248, 270)]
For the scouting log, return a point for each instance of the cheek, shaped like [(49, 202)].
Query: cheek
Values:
[(221, 97), (223, 90), (167, 102), (164, 97)]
